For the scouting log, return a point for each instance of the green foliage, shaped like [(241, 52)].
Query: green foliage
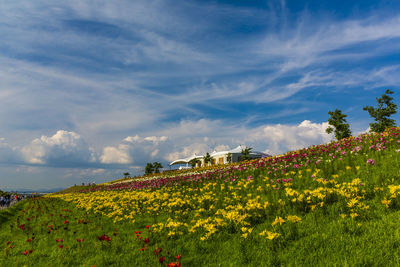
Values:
[(157, 166), (193, 162), (207, 158), (339, 124), (126, 174), (229, 157), (246, 153), (149, 168), (381, 114)]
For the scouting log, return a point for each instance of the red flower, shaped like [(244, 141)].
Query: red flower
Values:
[(178, 257), (29, 240), (147, 226), (66, 222), (79, 240), (60, 240), (174, 264), (22, 226), (60, 246), (9, 242), (138, 232), (104, 238), (26, 252), (146, 240), (143, 249), (161, 259)]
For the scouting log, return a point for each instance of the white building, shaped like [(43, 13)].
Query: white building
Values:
[(220, 157)]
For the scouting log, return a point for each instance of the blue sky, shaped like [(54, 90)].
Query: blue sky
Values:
[(92, 89)]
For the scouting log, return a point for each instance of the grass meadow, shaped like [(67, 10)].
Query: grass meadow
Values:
[(335, 204)]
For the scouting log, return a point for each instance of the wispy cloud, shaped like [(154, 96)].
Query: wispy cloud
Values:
[(200, 74)]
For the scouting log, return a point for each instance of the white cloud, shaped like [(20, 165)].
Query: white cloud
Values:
[(119, 155), (280, 138), (134, 150), (62, 149), (184, 151), (272, 138)]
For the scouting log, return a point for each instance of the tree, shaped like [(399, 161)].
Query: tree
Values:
[(193, 162), (157, 166), (126, 174), (381, 114), (207, 158), (229, 157), (339, 124), (149, 168), (246, 153)]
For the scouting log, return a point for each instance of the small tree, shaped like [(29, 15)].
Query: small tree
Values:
[(149, 168), (339, 124), (246, 153), (207, 158), (193, 162), (157, 166), (126, 174), (385, 109), (229, 157)]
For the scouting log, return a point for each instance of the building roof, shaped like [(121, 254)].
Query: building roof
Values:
[(185, 160), (237, 150)]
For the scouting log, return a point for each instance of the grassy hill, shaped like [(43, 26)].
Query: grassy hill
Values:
[(332, 204)]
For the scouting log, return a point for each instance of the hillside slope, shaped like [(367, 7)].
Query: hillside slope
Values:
[(332, 204)]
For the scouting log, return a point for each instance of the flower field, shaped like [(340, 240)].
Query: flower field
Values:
[(332, 204)]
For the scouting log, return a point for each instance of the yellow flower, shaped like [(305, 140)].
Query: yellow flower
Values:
[(272, 236), (278, 220), (386, 203), (352, 203), (293, 218), (343, 215), (263, 233), (353, 215), (348, 168)]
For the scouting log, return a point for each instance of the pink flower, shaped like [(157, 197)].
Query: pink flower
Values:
[(371, 161)]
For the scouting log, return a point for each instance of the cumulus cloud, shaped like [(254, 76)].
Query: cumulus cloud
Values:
[(187, 150), (62, 149), (134, 150), (281, 138), (271, 138), (119, 155)]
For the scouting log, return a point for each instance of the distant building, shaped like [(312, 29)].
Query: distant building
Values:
[(219, 158)]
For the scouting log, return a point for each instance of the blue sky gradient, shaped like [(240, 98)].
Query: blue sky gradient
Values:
[(90, 90)]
